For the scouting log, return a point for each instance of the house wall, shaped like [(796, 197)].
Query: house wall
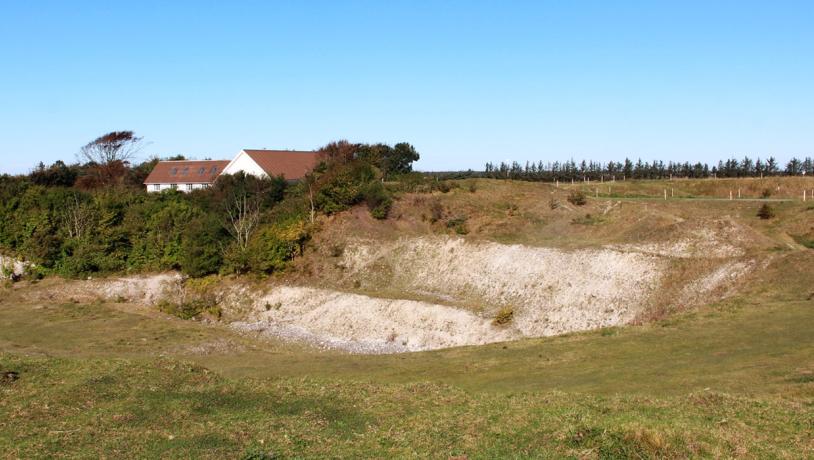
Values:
[(244, 162), (181, 187)]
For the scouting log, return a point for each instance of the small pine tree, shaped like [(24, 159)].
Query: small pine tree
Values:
[(765, 212)]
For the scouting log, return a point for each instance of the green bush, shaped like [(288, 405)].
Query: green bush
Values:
[(588, 219), (191, 309), (275, 245), (504, 316), (378, 200), (343, 186), (458, 224), (577, 198), (436, 211), (202, 247), (805, 240), (765, 212)]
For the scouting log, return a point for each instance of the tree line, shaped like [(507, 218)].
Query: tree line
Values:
[(95, 216), (590, 170)]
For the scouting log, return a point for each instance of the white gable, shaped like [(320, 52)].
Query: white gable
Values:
[(243, 162)]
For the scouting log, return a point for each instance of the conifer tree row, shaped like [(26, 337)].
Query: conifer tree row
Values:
[(590, 170)]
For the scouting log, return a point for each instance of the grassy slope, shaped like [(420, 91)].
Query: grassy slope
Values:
[(726, 381), (734, 379)]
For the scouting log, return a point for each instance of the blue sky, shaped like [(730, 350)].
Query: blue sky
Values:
[(465, 82)]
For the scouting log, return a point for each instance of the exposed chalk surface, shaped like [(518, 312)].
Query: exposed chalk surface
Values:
[(10, 266), (552, 291), (364, 324)]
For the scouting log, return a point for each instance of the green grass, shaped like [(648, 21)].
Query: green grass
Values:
[(96, 380), (804, 240), (170, 409)]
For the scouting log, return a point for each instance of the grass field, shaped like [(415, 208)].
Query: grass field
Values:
[(730, 379), (107, 380)]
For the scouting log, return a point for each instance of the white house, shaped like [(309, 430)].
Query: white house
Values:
[(184, 175), (189, 175), (291, 164)]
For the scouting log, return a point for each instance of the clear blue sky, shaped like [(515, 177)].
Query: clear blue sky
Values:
[(465, 82)]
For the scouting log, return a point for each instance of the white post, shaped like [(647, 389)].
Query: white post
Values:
[(558, 183), (596, 192), (665, 194), (739, 193), (730, 194), (672, 192), (804, 195)]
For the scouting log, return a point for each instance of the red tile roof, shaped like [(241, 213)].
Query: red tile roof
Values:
[(291, 164), (186, 172)]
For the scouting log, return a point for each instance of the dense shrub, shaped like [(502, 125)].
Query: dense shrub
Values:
[(343, 186), (276, 244), (577, 198), (765, 212), (458, 224), (202, 247), (77, 220), (504, 316), (378, 200), (436, 211)]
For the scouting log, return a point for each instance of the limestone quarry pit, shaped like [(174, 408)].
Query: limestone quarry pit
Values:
[(449, 290)]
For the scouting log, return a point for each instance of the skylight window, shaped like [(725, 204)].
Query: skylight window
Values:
[(214, 170), (201, 171), (173, 171), (185, 171)]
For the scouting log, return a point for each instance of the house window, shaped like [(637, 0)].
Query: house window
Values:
[(173, 171), (189, 187), (174, 186), (185, 171), (201, 171), (156, 187), (214, 170)]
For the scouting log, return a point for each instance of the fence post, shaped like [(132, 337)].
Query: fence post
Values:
[(730, 194), (665, 194)]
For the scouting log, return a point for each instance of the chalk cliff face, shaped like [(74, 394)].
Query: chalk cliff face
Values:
[(460, 286)]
